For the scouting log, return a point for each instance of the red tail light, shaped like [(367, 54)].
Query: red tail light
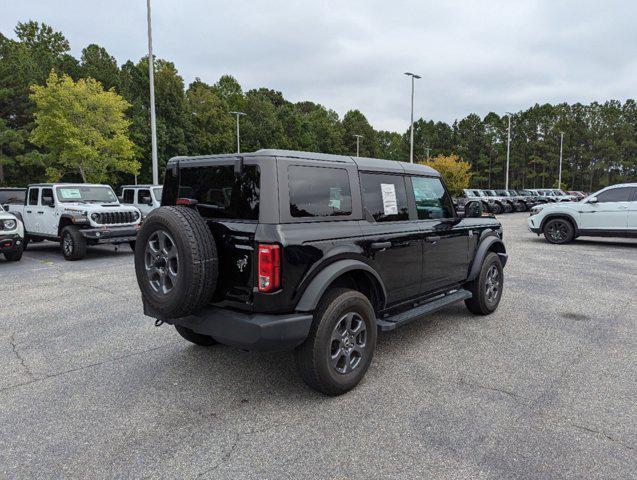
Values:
[(189, 202), (269, 268)]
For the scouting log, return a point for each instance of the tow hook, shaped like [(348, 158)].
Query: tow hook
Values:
[(158, 322)]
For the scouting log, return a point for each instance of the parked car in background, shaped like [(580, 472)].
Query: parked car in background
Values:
[(529, 200), (533, 197), (500, 204), (11, 195), (562, 196), (577, 194), (518, 203), (470, 196), (77, 216), (11, 236), (277, 250), (610, 212), (144, 197)]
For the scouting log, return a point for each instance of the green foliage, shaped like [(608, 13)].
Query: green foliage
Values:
[(600, 139), (82, 128)]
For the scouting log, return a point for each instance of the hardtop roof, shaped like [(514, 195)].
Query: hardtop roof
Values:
[(363, 163)]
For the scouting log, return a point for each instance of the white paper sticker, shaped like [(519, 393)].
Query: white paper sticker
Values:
[(390, 205), (70, 193)]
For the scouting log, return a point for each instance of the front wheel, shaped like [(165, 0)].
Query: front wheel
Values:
[(487, 288), (559, 230), (14, 256), (341, 343), (496, 208), (73, 243)]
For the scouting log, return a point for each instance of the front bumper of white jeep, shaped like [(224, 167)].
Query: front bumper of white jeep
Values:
[(114, 235)]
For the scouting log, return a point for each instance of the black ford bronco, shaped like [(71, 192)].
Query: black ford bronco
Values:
[(277, 250)]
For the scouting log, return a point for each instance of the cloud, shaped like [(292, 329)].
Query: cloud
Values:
[(474, 56)]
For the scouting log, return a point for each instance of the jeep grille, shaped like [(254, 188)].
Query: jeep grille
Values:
[(110, 218)]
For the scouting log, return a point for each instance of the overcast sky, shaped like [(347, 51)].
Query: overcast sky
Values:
[(474, 56)]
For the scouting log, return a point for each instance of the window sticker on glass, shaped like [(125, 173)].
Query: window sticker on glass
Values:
[(335, 198), (390, 205), (70, 193)]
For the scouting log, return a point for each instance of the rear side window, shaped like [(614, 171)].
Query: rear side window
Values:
[(319, 192), (220, 193), (432, 200), (143, 196), (614, 195), (385, 197), (33, 196)]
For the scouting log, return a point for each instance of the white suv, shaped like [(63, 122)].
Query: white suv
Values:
[(610, 212)]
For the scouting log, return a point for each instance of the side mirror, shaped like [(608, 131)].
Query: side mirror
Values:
[(473, 210), (592, 200)]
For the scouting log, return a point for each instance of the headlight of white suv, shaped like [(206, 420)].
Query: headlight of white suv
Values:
[(9, 224)]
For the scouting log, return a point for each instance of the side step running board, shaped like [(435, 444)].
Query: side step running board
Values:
[(390, 323)]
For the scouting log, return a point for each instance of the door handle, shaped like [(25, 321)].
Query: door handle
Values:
[(380, 245), (40, 213), (433, 239), (28, 211)]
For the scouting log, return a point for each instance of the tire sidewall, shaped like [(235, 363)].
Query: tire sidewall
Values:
[(485, 306), (334, 312)]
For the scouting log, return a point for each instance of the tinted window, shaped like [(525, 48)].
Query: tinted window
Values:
[(221, 194), (33, 196), (614, 195), (129, 196), (143, 196), (15, 197), (385, 197), (319, 192), (47, 196), (432, 200)]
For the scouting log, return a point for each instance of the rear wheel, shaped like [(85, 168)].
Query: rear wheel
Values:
[(496, 208), (341, 342), (487, 288), (559, 230), (196, 338), (520, 207), (73, 243)]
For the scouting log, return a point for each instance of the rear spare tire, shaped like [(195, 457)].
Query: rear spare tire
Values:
[(176, 261)]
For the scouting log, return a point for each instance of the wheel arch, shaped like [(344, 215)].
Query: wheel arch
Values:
[(349, 273), (490, 243)]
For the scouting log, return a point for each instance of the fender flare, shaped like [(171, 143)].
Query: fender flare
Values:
[(319, 284), (17, 215), (484, 247)]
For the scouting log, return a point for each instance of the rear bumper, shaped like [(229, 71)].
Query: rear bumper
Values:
[(10, 243), (111, 234), (246, 330)]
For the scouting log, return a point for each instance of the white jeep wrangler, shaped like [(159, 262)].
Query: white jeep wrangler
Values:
[(76, 215), (11, 236), (144, 197)]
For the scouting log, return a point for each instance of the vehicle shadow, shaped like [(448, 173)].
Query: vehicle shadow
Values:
[(51, 251)]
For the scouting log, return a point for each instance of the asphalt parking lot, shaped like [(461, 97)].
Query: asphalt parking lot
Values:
[(543, 388)]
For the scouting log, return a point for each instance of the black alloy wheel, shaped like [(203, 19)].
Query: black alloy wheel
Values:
[(162, 262), (558, 231), (349, 339)]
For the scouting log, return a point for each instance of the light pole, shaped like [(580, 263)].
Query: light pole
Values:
[(238, 114), (151, 79), (411, 125), (358, 138), (559, 175), (506, 184)]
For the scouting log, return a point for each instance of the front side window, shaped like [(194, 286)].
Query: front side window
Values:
[(432, 200), (319, 192), (385, 197), (129, 196), (614, 195), (85, 194), (47, 196), (220, 193), (33, 196), (143, 196)]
